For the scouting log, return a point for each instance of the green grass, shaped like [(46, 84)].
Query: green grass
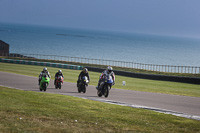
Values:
[(131, 83), (26, 111)]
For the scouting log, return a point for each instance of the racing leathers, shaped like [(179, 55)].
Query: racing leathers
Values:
[(57, 75), (42, 74)]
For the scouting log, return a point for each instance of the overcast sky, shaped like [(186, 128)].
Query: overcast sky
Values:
[(172, 17)]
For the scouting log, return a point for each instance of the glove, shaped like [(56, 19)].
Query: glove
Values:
[(114, 83)]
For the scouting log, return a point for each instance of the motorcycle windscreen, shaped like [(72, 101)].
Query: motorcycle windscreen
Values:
[(109, 81)]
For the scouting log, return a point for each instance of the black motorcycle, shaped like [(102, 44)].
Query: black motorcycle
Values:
[(82, 85)]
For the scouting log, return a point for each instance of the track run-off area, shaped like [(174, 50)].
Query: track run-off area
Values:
[(183, 106)]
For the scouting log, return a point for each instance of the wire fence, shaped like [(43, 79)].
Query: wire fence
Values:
[(148, 67)]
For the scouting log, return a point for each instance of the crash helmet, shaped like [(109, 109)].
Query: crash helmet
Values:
[(45, 69), (110, 69), (60, 71), (85, 70)]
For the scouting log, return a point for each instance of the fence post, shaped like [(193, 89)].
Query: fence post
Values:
[(192, 69), (153, 67), (195, 70)]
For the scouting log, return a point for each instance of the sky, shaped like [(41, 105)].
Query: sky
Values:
[(166, 17)]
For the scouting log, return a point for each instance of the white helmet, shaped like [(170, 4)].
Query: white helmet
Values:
[(59, 71), (85, 70), (110, 69), (45, 69)]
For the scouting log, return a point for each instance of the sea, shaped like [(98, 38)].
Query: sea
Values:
[(107, 45)]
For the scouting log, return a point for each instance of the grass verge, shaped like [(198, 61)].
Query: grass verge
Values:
[(165, 87), (26, 111)]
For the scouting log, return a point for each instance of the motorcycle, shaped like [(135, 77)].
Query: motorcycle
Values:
[(44, 82), (105, 86), (59, 82), (82, 85)]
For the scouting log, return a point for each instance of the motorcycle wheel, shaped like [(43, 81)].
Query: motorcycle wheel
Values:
[(84, 89), (99, 93), (79, 89), (45, 86), (59, 85), (106, 90), (40, 88)]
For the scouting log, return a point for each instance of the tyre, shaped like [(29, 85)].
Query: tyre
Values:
[(84, 88), (79, 89), (45, 86), (40, 88), (106, 90), (59, 85), (99, 93)]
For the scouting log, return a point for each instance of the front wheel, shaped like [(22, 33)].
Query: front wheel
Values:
[(99, 93), (59, 85), (106, 90), (79, 89), (84, 88), (45, 86)]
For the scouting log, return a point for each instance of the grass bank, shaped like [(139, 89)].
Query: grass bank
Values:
[(26, 111), (131, 83)]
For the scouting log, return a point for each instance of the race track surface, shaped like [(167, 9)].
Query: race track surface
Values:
[(178, 105)]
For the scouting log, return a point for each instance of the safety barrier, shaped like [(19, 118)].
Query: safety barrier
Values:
[(191, 80), (49, 64)]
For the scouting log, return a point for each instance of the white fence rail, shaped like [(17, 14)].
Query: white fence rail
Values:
[(148, 67)]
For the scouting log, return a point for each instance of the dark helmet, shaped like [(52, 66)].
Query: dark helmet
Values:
[(110, 69), (85, 70)]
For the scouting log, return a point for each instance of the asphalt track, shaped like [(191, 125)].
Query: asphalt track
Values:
[(183, 106)]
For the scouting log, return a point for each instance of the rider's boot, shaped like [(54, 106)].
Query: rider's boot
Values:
[(98, 86)]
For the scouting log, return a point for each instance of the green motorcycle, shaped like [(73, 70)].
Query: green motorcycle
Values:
[(44, 82)]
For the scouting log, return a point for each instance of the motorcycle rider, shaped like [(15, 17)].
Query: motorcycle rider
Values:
[(83, 73), (108, 71), (59, 73), (44, 72)]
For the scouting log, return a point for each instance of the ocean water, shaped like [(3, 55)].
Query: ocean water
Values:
[(131, 47)]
